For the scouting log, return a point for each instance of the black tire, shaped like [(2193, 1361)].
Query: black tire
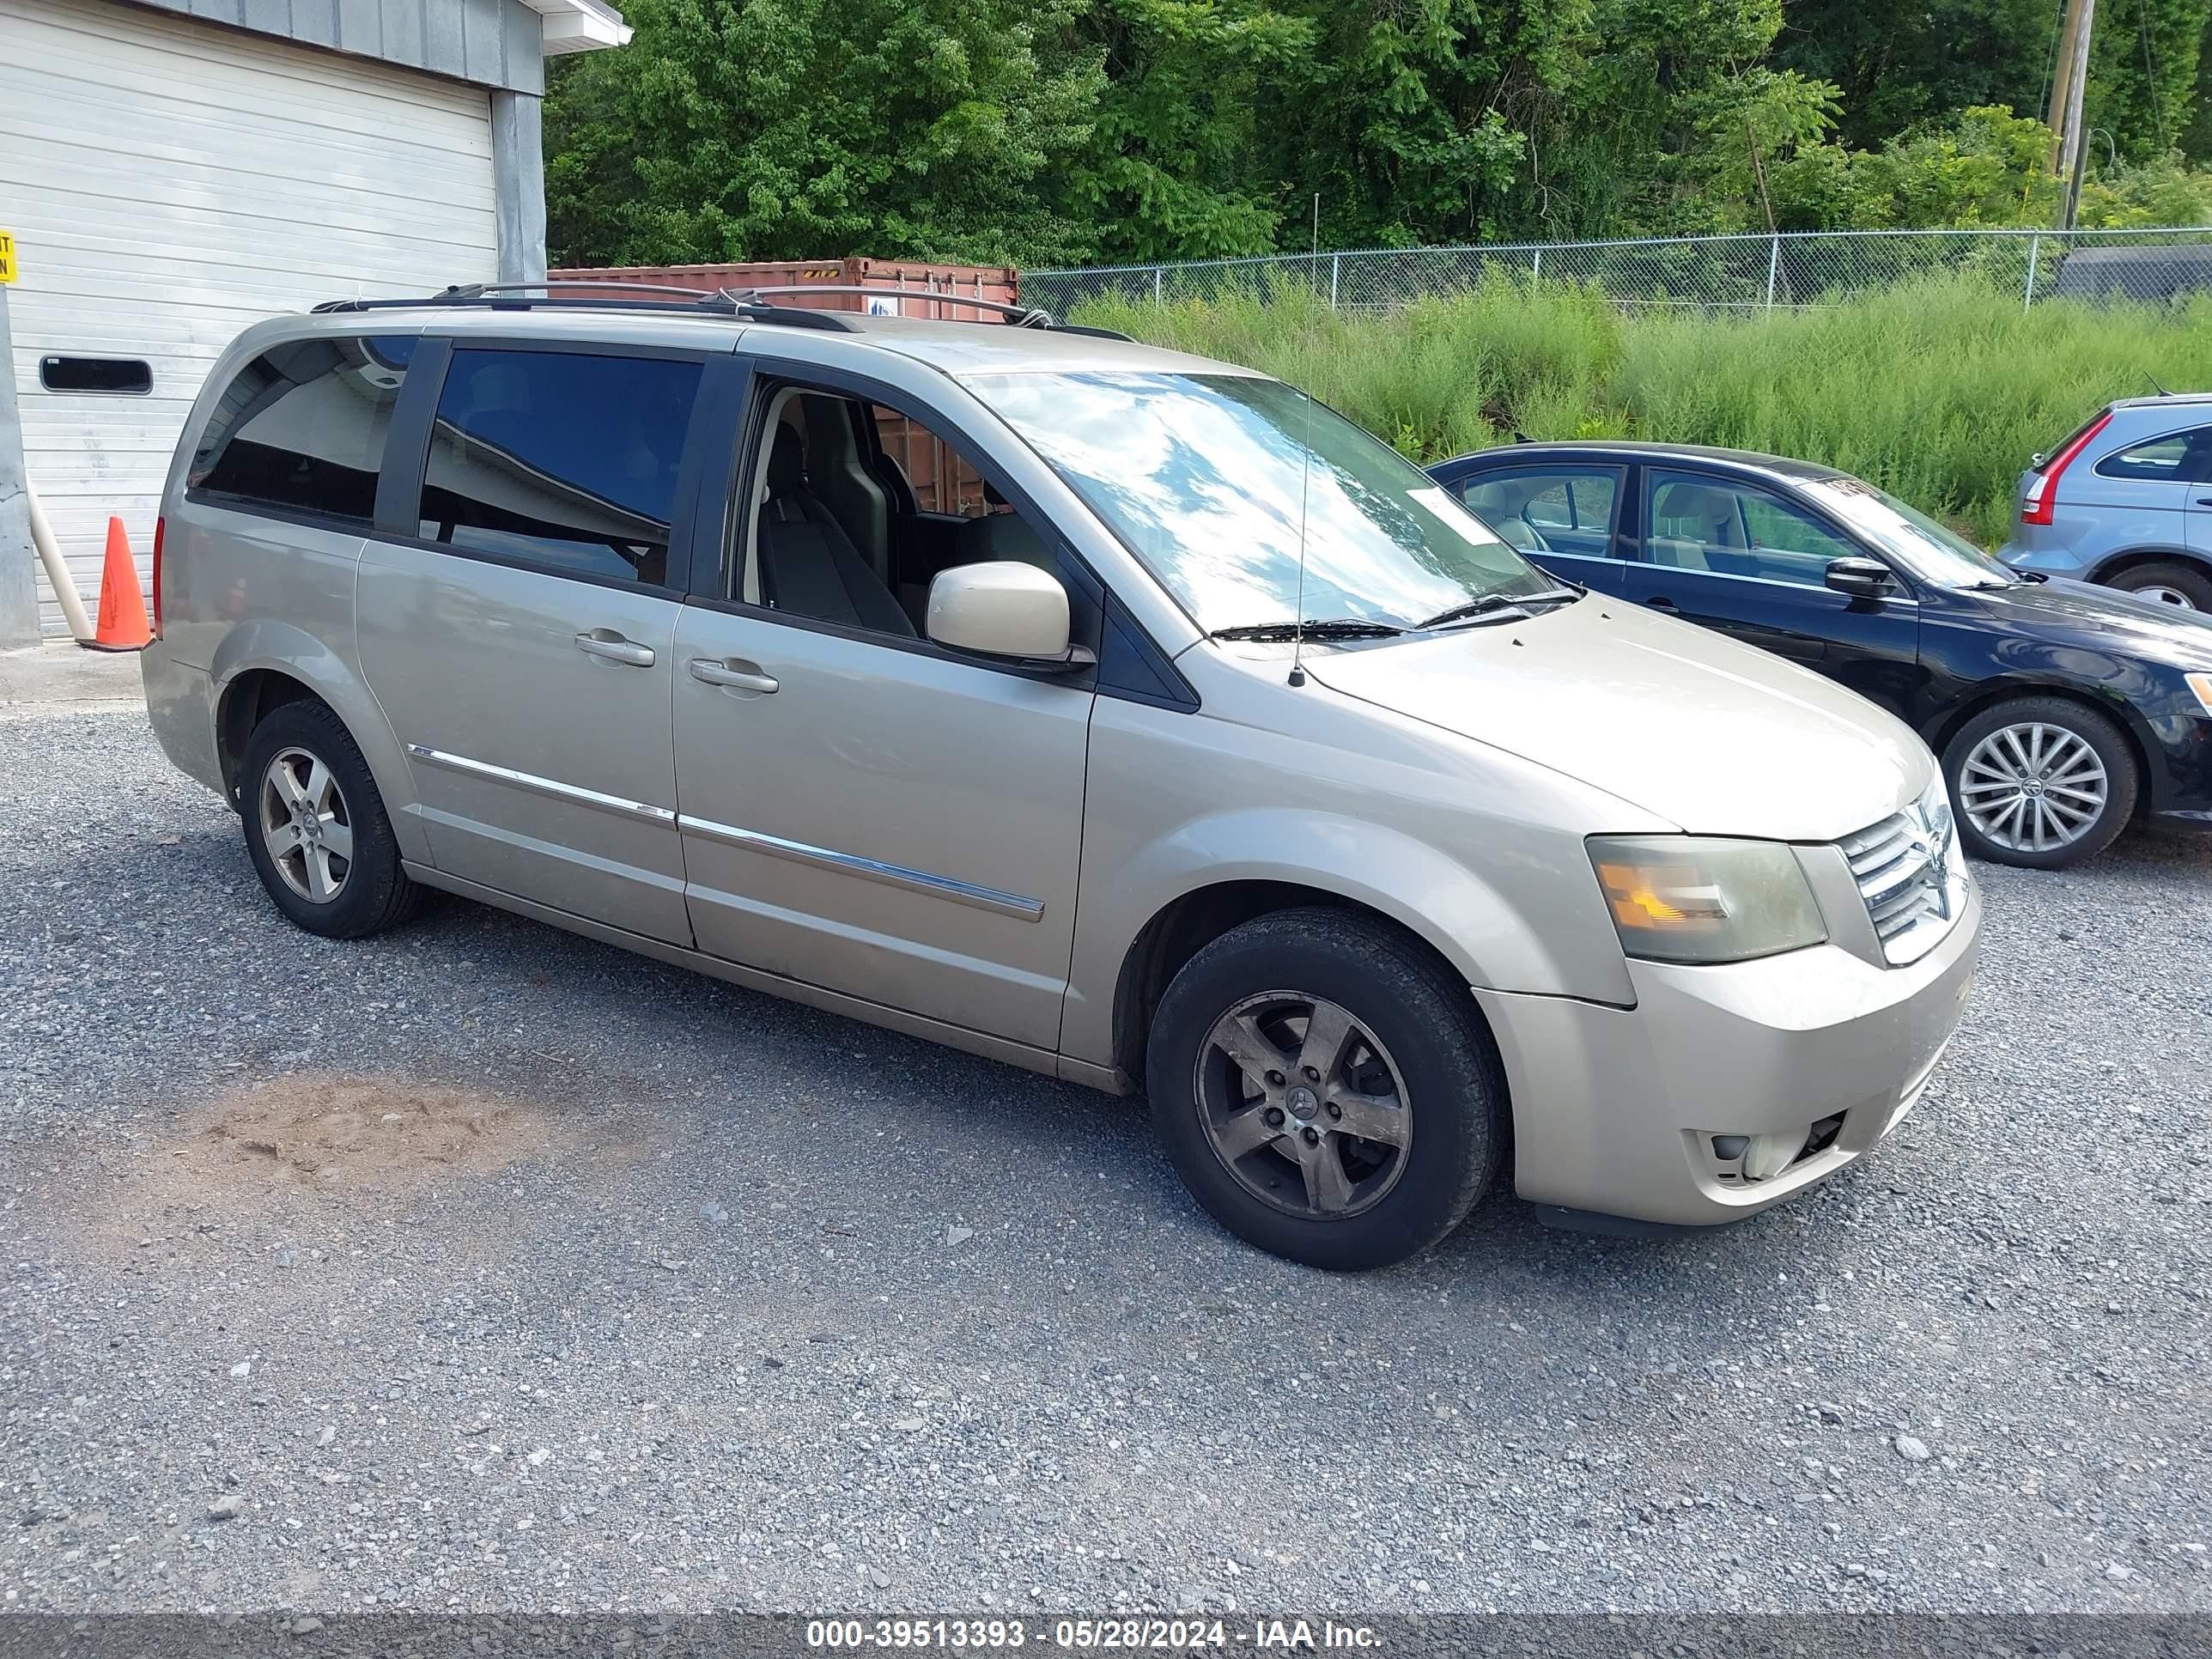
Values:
[(2102, 735), (2186, 580), (1427, 1029), (373, 893)]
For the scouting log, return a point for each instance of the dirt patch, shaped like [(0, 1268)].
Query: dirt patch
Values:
[(271, 1148), (335, 1132)]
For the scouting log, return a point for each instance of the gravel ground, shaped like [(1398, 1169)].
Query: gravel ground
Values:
[(483, 1266)]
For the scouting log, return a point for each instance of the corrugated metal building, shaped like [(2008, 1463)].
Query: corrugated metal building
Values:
[(171, 172)]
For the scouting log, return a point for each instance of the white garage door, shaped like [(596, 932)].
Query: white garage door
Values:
[(169, 182)]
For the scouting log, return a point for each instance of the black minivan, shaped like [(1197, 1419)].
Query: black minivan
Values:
[(2062, 711)]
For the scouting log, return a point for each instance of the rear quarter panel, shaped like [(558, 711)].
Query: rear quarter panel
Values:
[(242, 591)]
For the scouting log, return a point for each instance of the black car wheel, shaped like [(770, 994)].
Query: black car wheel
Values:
[(2181, 586), (2040, 782), (1326, 1089)]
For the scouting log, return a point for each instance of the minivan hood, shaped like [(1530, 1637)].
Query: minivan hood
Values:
[(1719, 738)]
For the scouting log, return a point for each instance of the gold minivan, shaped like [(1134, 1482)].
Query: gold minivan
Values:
[(1104, 710)]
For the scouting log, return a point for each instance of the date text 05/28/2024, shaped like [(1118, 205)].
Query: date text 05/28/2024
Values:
[(1106, 1635)]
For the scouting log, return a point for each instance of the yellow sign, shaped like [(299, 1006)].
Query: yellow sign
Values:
[(6, 256)]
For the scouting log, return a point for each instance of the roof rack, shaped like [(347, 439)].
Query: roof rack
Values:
[(744, 302), (1020, 316), (1017, 316), (531, 296)]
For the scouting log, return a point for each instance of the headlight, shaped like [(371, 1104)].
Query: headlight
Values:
[(1943, 825), (2201, 685), (1697, 898)]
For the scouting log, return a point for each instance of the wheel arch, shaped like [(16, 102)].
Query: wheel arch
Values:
[(264, 666), (1146, 906), (2132, 558), (1191, 920), (250, 697)]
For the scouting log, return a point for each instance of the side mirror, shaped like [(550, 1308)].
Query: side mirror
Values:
[(1001, 609), (1862, 579)]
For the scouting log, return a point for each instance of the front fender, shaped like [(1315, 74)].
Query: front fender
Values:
[(1548, 936), (284, 648)]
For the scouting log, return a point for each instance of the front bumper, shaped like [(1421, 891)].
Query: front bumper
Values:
[(1613, 1108)]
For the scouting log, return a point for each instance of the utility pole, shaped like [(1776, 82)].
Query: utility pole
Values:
[(2061, 77), (2073, 131)]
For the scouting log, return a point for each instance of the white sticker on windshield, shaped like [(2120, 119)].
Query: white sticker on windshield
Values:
[(1471, 530)]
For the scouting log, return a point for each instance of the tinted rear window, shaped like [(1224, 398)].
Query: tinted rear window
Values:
[(301, 427), (566, 459), (2176, 458)]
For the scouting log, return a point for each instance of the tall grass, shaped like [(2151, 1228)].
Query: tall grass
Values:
[(1939, 390)]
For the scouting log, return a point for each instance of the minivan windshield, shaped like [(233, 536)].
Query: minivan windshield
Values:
[(1921, 544), (1207, 479)]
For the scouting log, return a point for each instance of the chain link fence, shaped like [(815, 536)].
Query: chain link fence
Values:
[(1747, 273)]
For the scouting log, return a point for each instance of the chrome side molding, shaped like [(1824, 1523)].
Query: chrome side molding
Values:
[(821, 857), (552, 787), (849, 864)]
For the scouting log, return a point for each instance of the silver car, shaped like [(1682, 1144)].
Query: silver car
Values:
[(1109, 712), (2126, 501)]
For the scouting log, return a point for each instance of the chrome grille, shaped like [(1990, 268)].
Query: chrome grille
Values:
[(1902, 868)]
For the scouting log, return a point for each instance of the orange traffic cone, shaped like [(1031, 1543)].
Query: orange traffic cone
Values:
[(123, 625)]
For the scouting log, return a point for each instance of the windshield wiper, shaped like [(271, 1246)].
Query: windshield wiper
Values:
[(1331, 628), (1504, 606)]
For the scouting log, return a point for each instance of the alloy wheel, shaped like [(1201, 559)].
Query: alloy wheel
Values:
[(2159, 593), (306, 825), (1303, 1106), (2033, 788)]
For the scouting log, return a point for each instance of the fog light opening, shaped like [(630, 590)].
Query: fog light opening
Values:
[(1750, 1158)]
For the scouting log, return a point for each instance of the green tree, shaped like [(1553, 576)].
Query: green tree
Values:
[(813, 129), (1679, 114), (2142, 89), (1987, 167), (1176, 168), (1055, 131), (1899, 68)]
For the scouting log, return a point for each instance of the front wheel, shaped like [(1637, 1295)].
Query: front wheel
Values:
[(2041, 782), (1326, 1089)]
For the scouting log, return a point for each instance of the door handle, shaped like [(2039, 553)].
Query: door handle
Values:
[(745, 677), (611, 646), (1661, 602), (2204, 501)]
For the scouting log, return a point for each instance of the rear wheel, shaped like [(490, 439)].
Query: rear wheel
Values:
[(2041, 782), (1326, 1089), (2181, 586), (316, 828)]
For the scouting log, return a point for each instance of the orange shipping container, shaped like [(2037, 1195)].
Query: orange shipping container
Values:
[(941, 482)]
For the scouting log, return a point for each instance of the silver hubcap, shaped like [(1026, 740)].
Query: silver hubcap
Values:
[(2165, 595), (305, 826), (1303, 1107), (2033, 789)]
